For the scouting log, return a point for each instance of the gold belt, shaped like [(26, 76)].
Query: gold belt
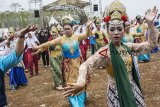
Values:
[(110, 70)]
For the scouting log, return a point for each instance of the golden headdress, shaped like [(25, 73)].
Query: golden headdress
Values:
[(11, 30), (116, 10), (54, 30), (97, 21), (59, 27), (67, 20)]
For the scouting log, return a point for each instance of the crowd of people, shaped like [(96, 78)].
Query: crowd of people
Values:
[(114, 43)]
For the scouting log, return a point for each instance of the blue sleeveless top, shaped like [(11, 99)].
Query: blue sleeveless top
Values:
[(70, 49), (139, 29), (124, 39)]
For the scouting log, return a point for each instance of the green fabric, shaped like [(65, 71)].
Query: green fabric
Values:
[(56, 70), (125, 94), (98, 46)]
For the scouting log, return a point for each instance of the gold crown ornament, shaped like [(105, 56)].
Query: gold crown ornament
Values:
[(11, 30), (66, 20), (116, 10), (97, 21), (54, 30), (59, 27)]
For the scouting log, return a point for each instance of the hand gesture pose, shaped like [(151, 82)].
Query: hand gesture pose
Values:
[(150, 15)]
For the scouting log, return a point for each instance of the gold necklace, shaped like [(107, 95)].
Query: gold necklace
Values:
[(126, 57), (70, 42)]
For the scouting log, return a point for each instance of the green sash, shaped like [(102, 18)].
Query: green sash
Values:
[(125, 94)]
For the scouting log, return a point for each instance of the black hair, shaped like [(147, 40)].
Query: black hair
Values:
[(1, 39)]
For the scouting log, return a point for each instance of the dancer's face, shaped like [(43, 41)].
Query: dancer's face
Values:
[(42, 33), (140, 21), (127, 26), (116, 31), (61, 33), (98, 26), (68, 30), (54, 35), (29, 35)]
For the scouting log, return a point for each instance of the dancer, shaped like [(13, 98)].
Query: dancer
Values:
[(56, 60), (71, 57), (123, 85), (11, 60)]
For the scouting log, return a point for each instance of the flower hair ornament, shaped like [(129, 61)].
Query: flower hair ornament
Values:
[(116, 10), (54, 30), (11, 30), (67, 20), (97, 21)]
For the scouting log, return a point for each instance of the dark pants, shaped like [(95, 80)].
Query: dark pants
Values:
[(45, 58), (3, 100), (93, 49)]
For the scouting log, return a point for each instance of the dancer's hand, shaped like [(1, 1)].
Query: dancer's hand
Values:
[(73, 89), (27, 30), (150, 15), (88, 24), (10, 38), (37, 52)]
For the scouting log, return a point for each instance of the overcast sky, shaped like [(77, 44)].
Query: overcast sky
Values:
[(134, 7)]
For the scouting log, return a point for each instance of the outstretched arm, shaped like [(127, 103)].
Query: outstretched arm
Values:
[(14, 58), (146, 47), (46, 45), (20, 41), (88, 31)]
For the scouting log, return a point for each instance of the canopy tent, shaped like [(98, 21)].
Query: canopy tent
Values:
[(52, 21), (59, 8), (78, 3)]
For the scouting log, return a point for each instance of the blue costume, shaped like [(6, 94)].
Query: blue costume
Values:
[(6, 62), (142, 57), (70, 66)]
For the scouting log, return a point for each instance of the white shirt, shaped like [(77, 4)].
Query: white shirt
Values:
[(31, 42), (13, 44), (6, 51)]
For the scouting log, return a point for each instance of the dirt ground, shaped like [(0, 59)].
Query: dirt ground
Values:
[(39, 93)]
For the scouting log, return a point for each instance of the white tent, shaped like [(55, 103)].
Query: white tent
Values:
[(52, 21), (78, 3)]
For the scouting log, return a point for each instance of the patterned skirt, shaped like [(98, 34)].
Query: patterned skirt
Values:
[(70, 71), (113, 96), (56, 69), (70, 68)]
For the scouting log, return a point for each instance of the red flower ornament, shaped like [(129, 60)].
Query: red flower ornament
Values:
[(124, 18), (107, 19)]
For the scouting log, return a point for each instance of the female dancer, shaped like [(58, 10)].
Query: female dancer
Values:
[(71, 57), (123, 85)]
